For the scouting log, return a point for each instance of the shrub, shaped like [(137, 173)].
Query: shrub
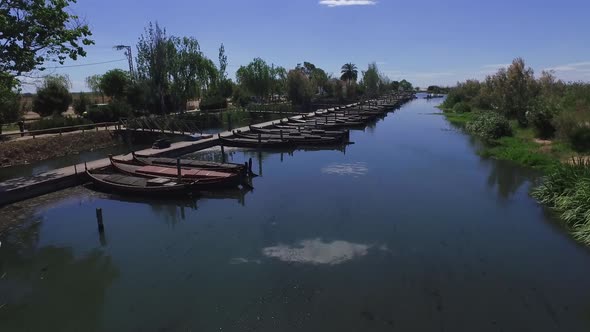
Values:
[(574, 126), (52, 98), (489, 125), (81, 104), (461, 107), (109, 113), (540, 117), (239, 97), (213, 102)]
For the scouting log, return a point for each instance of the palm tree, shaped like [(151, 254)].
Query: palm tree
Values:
[(349, 72)]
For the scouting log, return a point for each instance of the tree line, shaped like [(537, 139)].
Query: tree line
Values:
[(171, 71)]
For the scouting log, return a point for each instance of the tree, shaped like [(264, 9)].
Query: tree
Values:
[(153, 65), (93, 83), (114, 83), (81, 104), (371, 81), (256, 78), (349, 73), (520, 90), (9, 104), (186, 70), (53, 98), (279, 81), (319, 80), (405, 86), (299, 88), (35, 32)]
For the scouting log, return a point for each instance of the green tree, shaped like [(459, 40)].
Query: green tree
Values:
[(93, 83), (9, 104), (371, 80), (114, 83), (81, 104), (186, 69), (53, 98), (34, 32), (349, 73), (405, 85), (519, 91), (256, 78), (299, 88), (319, 80)]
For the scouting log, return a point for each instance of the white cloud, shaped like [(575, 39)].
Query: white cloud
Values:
[(339, 3), (578, 66)]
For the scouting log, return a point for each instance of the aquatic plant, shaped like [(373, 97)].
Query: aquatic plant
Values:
[(566, 189)]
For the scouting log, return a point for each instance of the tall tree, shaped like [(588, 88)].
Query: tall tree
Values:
[(53, 97), (299, 88), (93, 83), (371, 80), (114, 83), (153, 65), (256, 78), (349, 73), (186, 70), (34, 32)]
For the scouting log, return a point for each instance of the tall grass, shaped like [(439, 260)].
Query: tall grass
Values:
[(566, 189)]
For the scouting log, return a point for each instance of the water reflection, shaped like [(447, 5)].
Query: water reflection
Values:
[(353, 169), (41, 288), (507, 178), (317, 252)]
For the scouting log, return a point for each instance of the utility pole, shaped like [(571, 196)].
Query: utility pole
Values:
[(129, 58)]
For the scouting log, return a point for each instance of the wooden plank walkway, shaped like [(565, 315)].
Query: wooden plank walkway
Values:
[(19, 189)]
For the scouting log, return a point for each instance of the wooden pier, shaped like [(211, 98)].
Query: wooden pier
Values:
[(19, 189)]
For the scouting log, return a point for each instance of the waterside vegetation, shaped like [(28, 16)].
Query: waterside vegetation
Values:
[(542, 123)]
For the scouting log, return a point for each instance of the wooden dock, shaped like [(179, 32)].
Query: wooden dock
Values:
[(19, 189)]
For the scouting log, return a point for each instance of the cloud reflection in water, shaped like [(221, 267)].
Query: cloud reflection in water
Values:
[(354, 169), (317, 252)]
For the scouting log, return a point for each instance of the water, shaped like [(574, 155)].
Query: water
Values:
[(406, 230)]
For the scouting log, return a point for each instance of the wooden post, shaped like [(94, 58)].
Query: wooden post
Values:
[(222, 154), (75, 169), (99, 220), (281, 132), (259, 139), (250, 165), (178, 169)]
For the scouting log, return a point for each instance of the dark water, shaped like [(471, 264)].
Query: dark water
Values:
[(406, 230)]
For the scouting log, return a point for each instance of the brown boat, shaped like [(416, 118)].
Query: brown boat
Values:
[(188, 163), (126, 184)]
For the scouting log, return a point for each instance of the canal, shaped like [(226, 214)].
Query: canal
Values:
[(406, 230)]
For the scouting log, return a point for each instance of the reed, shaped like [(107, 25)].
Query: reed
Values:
[(566, 189)]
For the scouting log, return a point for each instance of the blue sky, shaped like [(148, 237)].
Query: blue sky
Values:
[(426, 42)]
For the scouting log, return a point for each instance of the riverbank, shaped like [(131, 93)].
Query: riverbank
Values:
[(522, 147), (22, 152), (566, 182)]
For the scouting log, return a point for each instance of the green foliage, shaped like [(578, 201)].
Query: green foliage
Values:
[(93, 82), (437, 89), (34, 32), (299, 88), (519, 150), (57, 122), (81, 104), (566, 189), (371, 80), (213, 102), (540, 117), (9, 102), (114, 83), (489, 125), (53, 98), (463, 92), (256, 78), (319, 80), (349, 72), (574, 126), (109, 113), (240, 97), (405, 86), (461, 107)]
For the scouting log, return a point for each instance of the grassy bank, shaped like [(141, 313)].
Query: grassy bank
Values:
[(23, 152), (566, 184)]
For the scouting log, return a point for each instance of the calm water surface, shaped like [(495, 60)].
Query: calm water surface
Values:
[(406, 230)]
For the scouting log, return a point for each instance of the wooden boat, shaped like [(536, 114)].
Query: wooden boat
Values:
[(297, 140), (202, 178), (126, 184), (187, 163), (255, 143), (295, 132)]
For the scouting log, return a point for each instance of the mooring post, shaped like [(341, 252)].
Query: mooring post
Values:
[(99, 220), (281, 132), (259, 139), (250, 165), (75, 169), (178, 169), (222, 154)]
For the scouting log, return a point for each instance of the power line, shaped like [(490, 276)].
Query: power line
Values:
[(86, 64)]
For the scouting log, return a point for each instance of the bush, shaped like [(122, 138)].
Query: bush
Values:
[(81, 104), (109, 113), (489, 125), (53, 98), (574, 126), (57, 122), (461, 107), (540, 117), (213, 102), (239, 97)]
